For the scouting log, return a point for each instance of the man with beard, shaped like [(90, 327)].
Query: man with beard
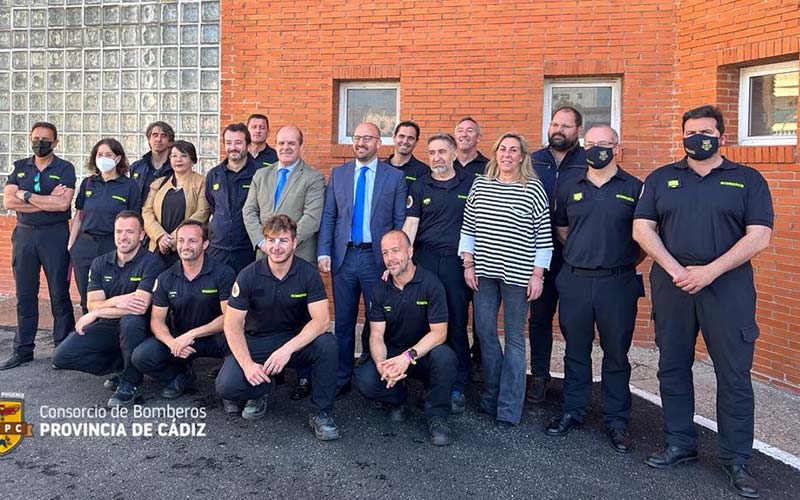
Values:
[(365, 199), (702, 220), (408, 316), (468, 135), (278, 316), (292, 187), (189, 300), (40, 190), (227, 187), (258, 126), (406, 135), (599, 285), (119, 294), (562, 159), (433, 224), (154, 163)]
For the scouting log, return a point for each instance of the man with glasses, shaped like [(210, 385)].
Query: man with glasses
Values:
[(365, 199), (40, 190), (598, 284), (553, 164)]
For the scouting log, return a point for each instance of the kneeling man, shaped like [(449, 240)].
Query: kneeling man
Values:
[(408, 328), (189, 300), (277, 316)]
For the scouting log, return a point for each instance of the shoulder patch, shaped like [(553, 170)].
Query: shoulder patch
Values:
[(235, 290), (155, 286), (409, 201)]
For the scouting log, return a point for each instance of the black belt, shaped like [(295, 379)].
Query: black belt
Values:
[(45, 226), (360, 246), (598, 273)]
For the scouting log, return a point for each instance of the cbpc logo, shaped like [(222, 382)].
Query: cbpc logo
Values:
[(12, 424)]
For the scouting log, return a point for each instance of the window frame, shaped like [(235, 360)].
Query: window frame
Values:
[(746, 74), (616, 98), (343, 138)]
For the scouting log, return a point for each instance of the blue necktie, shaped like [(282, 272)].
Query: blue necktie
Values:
[(282, 173), (357, 232)]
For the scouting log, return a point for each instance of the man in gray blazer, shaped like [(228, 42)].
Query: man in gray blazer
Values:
[(289, 186)]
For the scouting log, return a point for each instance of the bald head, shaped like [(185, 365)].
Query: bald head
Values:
[(366, 139)]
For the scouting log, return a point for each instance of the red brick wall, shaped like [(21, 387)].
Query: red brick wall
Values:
[(490, 59)]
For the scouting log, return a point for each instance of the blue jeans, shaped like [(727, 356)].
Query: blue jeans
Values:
[(503, 373)]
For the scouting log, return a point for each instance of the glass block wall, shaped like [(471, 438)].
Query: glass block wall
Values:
[(108, 68)]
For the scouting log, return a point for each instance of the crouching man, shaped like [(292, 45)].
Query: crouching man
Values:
[(277, 316)]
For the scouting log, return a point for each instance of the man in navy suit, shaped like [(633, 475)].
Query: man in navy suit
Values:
[(365, 199)]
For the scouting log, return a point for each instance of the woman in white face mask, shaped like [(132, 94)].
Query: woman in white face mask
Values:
[(102, 195)]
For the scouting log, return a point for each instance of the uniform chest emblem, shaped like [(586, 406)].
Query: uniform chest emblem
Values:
[(732, 184), (426, 201), (88, 194), (577, 196), (172, 294), (136, 175), (215, 187), (673, 183)]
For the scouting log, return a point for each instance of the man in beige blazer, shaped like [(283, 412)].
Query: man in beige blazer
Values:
[(289, 186)]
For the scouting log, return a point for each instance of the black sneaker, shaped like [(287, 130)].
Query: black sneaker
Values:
[(438, 431), (179, 384), (125, 395), (458, 402), (537, 392), (255, 409), (15, 360), (323, 425), (111, 384), (302, 390), (231, 407)]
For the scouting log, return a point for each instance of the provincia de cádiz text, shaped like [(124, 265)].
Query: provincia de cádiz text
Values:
[(120, 421)]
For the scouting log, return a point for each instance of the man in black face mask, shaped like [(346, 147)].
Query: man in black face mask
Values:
[(40, 190), (702, 220), (598, 284), (561, 159)]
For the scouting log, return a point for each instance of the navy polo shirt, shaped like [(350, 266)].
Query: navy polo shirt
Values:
[(137, 274), (439, 206), (600, 221), (226, 192), (24, 176), (266, 157), (193, 303), (144, 173), (101, 201), (550, 172), (412, 170), (701, 218), (408, 313), (474, 168), (276, 307)]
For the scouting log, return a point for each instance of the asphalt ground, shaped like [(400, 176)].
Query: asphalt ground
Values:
[(279, 457)]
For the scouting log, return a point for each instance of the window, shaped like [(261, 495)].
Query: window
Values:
[(376, 102), (598, 100), (768, 104)]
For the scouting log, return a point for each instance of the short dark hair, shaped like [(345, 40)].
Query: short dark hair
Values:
[(407, 123), (187, 148), (164, 126), (130, 214), (279, 223), (575, 113), (46, 125), (116, 148), (443, 136), (194, 223), (238, 127), (706, 111), (258, 116)]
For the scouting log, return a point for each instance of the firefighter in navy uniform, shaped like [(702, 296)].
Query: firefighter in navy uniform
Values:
[(561, 160), (120, 290), (702, 220), (433, 224), (278, 317), (406, 135), (598, 284), (189, 300), (40, 190), (155, 163)]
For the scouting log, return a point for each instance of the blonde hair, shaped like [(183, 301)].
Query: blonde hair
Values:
[(525, 171)]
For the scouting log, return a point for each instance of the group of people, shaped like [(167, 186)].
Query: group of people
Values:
[(172, 265)]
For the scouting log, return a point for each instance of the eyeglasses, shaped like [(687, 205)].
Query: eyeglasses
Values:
[(37, 188), (365, 138), (602, 144)]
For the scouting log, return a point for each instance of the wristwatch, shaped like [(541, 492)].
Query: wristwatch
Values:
[(27, 196), (412, 355)]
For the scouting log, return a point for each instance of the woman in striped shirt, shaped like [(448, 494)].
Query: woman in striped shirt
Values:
[(506, 245)]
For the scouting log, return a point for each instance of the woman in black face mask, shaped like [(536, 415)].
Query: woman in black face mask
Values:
[(101, 196)]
